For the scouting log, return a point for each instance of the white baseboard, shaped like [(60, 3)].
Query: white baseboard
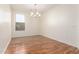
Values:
[(48, 36), (59, 40), (6, 46)]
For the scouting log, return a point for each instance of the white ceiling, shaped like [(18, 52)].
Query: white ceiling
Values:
[(29, 7)]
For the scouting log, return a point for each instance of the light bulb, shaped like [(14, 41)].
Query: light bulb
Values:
[(39, 15), (32, 13)]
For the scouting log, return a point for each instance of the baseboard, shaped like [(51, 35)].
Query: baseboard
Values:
[(6, 46), (48, 36), (24, 36), (59, 40)]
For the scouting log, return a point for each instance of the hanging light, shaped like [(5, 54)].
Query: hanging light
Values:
[(35, 12)]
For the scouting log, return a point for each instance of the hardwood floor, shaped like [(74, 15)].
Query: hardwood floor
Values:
[(39, 45)]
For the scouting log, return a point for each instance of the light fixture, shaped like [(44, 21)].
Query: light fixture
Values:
[(35, 12)]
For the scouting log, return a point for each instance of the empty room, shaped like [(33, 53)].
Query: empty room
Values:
[(39, 29)]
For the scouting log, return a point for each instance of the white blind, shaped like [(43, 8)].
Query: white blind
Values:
[(19, 18)]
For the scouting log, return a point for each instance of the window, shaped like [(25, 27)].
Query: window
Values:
[(20, 22)]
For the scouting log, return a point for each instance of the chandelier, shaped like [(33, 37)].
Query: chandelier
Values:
[(35, 12)]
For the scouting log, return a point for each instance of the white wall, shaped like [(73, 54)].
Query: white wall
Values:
[(77, 43), (31, 24), (59, 23), (5, 27)]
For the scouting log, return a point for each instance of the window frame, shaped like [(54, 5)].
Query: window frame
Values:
[(20, 22)]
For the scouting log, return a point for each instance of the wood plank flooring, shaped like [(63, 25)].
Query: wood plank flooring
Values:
[(39, 45)]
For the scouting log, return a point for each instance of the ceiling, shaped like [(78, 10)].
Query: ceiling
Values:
[(29, 7)]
